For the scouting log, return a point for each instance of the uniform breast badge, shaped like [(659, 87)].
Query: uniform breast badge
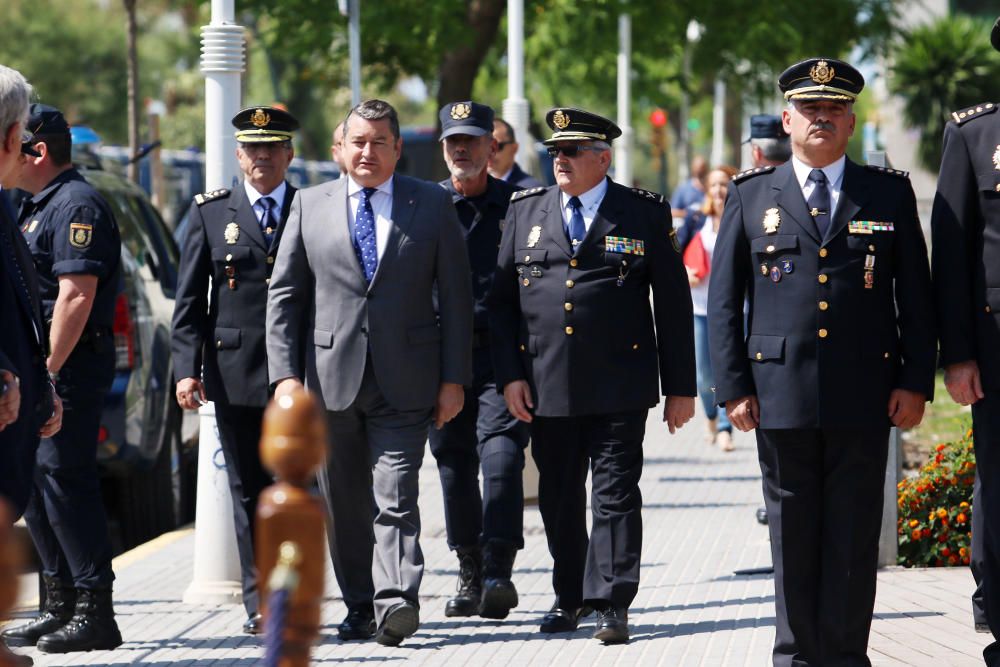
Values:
[(80, 234), (869, 271), (996, 159), (775, 274), (764, 269), (772, 220), (534, 235), (232, 233)]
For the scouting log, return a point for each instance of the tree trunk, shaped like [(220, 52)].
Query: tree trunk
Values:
[(131, 31), (460, 65)]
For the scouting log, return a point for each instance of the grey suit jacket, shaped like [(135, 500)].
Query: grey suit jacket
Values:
[(322, 317)]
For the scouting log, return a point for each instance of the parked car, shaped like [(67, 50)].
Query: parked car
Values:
[(148, 472)]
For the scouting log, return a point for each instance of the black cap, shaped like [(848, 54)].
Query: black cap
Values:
[(256, 125), (469, 118), (995, 35), (569, 124), (766, 126), (821, 79), (43, 119)]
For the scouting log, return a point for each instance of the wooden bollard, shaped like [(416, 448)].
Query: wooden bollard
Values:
[(290, 520), (11, 564)]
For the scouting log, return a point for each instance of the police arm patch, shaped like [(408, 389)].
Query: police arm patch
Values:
[(81, 234)]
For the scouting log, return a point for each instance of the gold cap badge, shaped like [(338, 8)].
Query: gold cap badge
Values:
[(821, 72), (772, 220), (560, 120), (460, 111), (260, 118)]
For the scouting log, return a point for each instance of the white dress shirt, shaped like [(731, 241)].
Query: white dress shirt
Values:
[(834, 173), (278, 195), (381, 203), (590, 201)]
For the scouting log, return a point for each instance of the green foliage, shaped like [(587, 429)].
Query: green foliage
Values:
[(939, 68), (935, 508)]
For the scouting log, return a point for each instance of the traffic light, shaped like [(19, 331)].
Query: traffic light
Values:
[(658, 119)]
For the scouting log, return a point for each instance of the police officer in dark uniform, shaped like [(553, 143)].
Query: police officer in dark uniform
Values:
[(840, 346), (965, 229), (76, 247), (503, 164), (576, 350), (485, 530), (218, 328), (770, 145)]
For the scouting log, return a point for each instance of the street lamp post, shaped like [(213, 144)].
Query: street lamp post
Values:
[(623, 148), (515, 107), (693, 33)]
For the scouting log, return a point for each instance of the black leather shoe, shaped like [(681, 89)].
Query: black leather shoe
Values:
[(762, 516), (563, 620), (400, 622), (359, 624), (612, 626), (982, 626), (470, 584), (254, 625), (60, 601), (92, 628), (499, 595)]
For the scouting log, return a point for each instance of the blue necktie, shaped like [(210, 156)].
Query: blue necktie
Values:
[(266, 219), (364, 234), (819, 201), (577, 229)]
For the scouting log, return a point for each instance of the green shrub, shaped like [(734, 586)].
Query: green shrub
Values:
[(935, 508)]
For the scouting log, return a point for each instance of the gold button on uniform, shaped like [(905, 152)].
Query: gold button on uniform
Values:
[(570, 283), (822, 279), (267, 280), (886, 355), (527, 258), (573, 262), (635, 346), (270, 260), (229, 258), (871, 248), (823, 333), (522, 347), (770, 248), (823, 252), (218, 344), (568, 306), (988, 309), (759, 356), (823, 305), (569, 331)]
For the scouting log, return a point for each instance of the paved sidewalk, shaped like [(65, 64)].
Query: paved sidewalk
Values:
[(691, 609)]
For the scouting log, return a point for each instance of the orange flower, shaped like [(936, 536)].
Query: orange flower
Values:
[(940, 447), (915, 535), (963, 505), (914, 523), (963, 552), (942, 512), (961, 518)]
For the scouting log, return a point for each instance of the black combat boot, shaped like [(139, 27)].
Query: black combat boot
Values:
[(470, 583), (499, 594), (59, 602), (92, 628)]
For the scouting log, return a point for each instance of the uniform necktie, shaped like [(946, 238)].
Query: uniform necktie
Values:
[(576, 229), (266, 219), (364, 234), (819, 201)]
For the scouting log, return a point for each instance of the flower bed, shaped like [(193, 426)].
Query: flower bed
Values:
[(935, 508)]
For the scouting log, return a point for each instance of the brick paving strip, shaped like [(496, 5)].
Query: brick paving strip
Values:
[(691, 609)]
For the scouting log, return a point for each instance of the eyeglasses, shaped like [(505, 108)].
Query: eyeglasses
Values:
[(570, 151), (503, 144)]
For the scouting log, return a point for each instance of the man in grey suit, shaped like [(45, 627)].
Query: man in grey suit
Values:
[(350, 313)]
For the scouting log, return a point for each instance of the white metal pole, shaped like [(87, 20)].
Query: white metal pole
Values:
[(216, 576), (354, 45), (515, 107), (623, 147), (719, 124)]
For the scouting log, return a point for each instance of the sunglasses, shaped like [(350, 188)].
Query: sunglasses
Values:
[(503, 144), (570, 151)]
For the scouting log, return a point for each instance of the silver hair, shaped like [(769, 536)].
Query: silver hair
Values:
[(775, 150), (15, 96)]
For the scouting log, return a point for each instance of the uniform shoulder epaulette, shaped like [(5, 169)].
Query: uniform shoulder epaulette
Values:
[(973, 112), (206, 197), (886, 170), (648, 196), (530, 192), (756, 171)]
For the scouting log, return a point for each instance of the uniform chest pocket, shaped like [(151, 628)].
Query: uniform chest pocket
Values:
[(989, 184), (529, 256), (231, 254), (877, 243), (771, 246)]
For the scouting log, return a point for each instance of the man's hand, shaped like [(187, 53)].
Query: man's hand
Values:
[(744, 413), (451, 398), (517, 395), (677, 411), (54, 423), (10, 402), (288, 386), (906, 408), (190, 393), (963, 382)]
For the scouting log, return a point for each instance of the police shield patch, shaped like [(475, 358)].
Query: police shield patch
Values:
[(80, 234)]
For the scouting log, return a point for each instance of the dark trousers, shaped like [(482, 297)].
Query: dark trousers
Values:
[(484, 433), (239, 432), (986, 428), (371, 483), (603, 571), (976, 555), (66, 514), (823, 491)]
